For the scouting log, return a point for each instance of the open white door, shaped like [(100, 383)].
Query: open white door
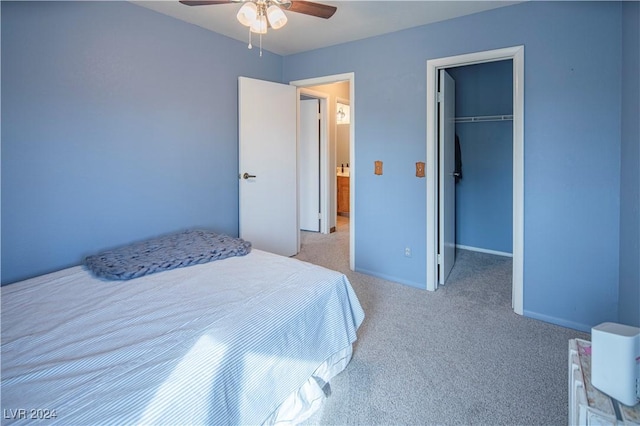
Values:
[(267, 165), (309, 161), (447, 188)]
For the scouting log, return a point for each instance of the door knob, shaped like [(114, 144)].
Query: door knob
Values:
[(247, 175)]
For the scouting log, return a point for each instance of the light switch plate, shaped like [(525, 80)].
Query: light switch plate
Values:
[(377, 167)]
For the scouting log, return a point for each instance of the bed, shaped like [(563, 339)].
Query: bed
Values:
[(250, 339)]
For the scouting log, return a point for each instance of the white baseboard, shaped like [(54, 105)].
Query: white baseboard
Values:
[(481, 250)]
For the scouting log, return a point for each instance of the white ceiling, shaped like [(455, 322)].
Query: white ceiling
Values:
[(354, 20)]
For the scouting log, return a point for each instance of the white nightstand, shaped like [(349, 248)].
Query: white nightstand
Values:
[(587, 405)]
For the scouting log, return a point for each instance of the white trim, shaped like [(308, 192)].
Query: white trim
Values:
[(515, 53), (481, 250), (336, 78), (517, 295)]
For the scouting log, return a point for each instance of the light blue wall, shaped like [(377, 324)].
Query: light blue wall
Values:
[(572, 147), (484, 195), (118, 123), (630, 165)]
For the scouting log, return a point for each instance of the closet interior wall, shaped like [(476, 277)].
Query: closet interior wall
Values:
[(484, 127)]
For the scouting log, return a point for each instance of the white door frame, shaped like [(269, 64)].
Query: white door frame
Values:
[(325, 154), (324, 148), (516, 54)]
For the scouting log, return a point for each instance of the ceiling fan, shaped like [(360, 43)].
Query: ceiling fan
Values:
[(259, 15), (299, 6)]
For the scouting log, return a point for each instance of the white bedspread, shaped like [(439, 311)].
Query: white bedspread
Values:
[(220, 343)]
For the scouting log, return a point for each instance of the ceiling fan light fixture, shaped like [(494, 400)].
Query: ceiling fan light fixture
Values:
[(276, 16), (247, 14), (259, 25), (259, 15)]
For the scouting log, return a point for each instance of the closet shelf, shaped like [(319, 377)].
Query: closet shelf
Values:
[(483, 118)]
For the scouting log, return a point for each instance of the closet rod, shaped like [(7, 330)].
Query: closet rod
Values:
[(483, 118)]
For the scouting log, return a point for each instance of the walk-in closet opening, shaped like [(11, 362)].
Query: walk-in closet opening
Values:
[(483, 174), (478, 99)]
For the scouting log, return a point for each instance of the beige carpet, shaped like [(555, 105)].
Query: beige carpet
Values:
[(459, 355)]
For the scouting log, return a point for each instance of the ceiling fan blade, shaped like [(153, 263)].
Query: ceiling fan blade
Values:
[(203, 2), (312, 8)]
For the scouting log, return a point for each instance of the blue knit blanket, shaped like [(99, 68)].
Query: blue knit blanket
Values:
[(177, 250)]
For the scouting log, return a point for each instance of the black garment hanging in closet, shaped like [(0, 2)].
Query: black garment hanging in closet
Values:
[(458, 169)]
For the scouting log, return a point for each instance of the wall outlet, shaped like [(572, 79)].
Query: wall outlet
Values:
[(407, 252)]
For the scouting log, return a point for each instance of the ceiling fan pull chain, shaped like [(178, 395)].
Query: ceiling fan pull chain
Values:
[(261, 45), (250, 46)]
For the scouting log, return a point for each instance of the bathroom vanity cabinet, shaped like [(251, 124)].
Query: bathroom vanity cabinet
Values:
[(343, 195)]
